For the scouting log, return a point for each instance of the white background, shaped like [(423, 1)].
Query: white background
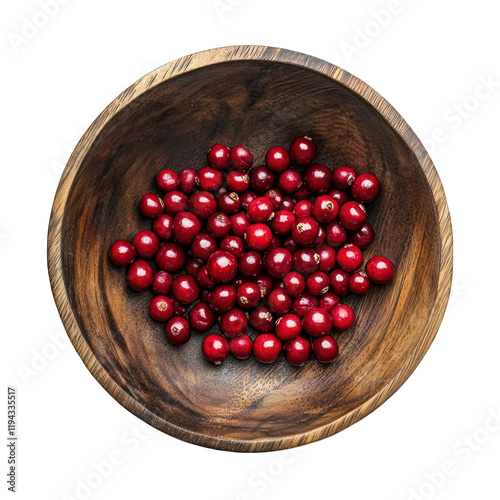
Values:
[(429, 60)]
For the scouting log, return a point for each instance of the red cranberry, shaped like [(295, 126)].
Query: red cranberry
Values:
[(241, 347), (336, 235), (151, 206), (267, 348), (275, 197), (222, 266), (339, 281), (162, 283), (317, 322), (265, 283), (146, 244), (328, 301), (278, 159), (186, 227), (178, 330), (288, 203), (238, 182), (339, 195), (303, 208), (160, 308), (246, 198), (359, 283), (349, 258), (352, 215), (305, 231), (282, 222), (261, 319), (275, 243), (325, 349), (327, 258), (343, 177), (306, 260), (215, 348), (209, 179), (288, 327), (139, 275), (343, 317), (258, 237), (239, 280), (175, 202), (250, 264), (171, 257), (222, 299), (233, 323), (303, 303), (203, 278), (239, 224), (201, 317), (260, 209), (289, 181), (318, 178), (302, 193), (232, 244), (122, 253), (366, 188), (248, 295), (241, 158), (294, 284), (320, 239), (318, 283), (179, 309), (278, 262), (185, 289), (363, 237), (290, 245), (261, 179), (380, 270), (297, 351), (279, 301), (203, 246), (163, 226), (187, 180), (228, 203), (167, 180), (202, 204), (218, 157), (192, 267), (303, 150), (219, 225), (325, 209)]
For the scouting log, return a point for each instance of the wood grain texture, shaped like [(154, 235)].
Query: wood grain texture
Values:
[(257, 96)]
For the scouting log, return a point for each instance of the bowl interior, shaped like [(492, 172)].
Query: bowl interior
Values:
[(258, 104)]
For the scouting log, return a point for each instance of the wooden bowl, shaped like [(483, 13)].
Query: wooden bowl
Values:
[(257, 96)]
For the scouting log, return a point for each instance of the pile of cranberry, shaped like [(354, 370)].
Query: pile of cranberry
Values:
[(272, 247)]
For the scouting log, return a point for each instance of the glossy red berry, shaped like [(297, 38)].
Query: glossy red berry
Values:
[(336, 235), (187, 180), (146, 244), (233, 323), (362, 237), (265, 283), (303, 150), (167, 180), (317, 322), (288, 203), (339, 195), (258, 237), (175, 202), (349, 257), (359, 283), (237, 182), (261, 319), (218, 157), (267, 348), (171, 257), (343, 317), (160, 308), (239, 224), (229, 203), (185, 289), (209, 179), (297, 351), (318, 283), (327, 258), (222, 298), (302, 193), (219, 225), (250, 264), (140, 275), (151, 206), (328, 301), (241, 158), (325, 209), (305, 231), (232, 244), (248, 295), (203, 278), (380, 270), (162, 283), (241, 347), (222, 267), (282, 222), (201, 317), (186, 227), (278, 159), (306, 260), (246, 198), (290, 181), (275, 197), (203, 246), (122, 253), (339, 282), (202, 204), (215, 348), (278, 262), (288, 327), (366, 188), (279, 301), (318, 178), (303, 208), (260, 210), (261, 179), (320, 239), (179, 309), (294, 284), (325, 349), (178, 330), (192, 266), (352, 214), (163, 226), (343, 177), (304, 303)]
